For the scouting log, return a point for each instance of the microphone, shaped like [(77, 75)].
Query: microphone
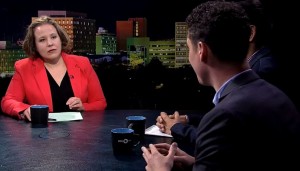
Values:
[(71, 76)]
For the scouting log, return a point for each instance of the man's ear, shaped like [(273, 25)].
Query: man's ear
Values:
[(202, 51), (253, 33)]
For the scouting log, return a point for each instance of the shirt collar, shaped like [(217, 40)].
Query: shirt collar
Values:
[(219, 92)]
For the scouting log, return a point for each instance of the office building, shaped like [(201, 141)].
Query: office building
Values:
[(181, 49), (9, 53), (137, 50), (82, 31), (106, 43), (133, 27), (164, 50)]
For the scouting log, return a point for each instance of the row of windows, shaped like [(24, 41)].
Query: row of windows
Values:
[(181, 32), (6, 68), (183, 36), (108, 42), (181, 54), (83, 23), (137, 29), (61, 22), (162, 54), (11, 55), (181, 61), (162, 45), (181, 26), (182, 49), (169, 62), (167, 58), (5, 63), (181, 41), (10, 59), (164, 50), (108, 38)]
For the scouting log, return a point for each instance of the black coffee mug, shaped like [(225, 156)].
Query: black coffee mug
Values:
[(138, 124), (123, 139), (39, 116)]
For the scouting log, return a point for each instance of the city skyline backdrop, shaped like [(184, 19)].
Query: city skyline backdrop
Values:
[(160, 17)]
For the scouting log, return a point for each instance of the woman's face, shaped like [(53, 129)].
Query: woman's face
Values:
[(47, 42)]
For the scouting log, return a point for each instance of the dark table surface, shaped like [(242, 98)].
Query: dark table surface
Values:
[(74, 145)]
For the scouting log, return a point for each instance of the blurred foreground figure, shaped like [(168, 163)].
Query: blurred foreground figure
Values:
[(254, 125)]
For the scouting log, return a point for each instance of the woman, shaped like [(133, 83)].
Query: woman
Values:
[(51, 76)]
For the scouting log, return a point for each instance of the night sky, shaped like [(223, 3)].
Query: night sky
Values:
[(161, 15), (16, 14)]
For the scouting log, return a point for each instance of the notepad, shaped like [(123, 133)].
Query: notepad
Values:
[(64, 116), (154, 130)]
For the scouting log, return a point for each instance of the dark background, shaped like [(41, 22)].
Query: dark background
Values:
[(18, 14)]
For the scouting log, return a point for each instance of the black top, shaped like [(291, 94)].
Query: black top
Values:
[(60, 94)]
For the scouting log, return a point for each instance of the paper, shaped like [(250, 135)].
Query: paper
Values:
[(154, 130), (64, 116)]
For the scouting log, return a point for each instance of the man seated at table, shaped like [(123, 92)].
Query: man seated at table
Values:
[(260, 58), (254, 125)]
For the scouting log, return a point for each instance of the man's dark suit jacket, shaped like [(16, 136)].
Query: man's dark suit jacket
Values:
[(255, 126), (269, 68), (265, 65)]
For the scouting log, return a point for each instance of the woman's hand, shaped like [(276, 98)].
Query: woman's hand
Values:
[(75, 103), (26, 114)]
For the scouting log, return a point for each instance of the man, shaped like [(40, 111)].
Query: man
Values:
[(260, 57), (260, 60), (254, 125)]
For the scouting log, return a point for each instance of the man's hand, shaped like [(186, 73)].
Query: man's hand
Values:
[(165, 121), (156, 160)]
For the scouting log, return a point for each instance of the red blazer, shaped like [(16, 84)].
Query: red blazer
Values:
[(29, 85)]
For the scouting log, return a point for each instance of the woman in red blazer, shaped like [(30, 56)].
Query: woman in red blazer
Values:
[(50, 76)]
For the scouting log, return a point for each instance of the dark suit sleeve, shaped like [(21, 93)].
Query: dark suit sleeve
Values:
[(187, 132), (194, 119), (184, 133), (217, 141)]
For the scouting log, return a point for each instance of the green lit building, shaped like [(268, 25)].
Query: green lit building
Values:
[(164, 50), (106, 43), (8, 56), (137, 50)]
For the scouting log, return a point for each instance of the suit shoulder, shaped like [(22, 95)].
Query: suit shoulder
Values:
[(22, 63), (78, 58)]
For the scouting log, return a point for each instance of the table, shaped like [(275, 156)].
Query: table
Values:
[(74, 145)]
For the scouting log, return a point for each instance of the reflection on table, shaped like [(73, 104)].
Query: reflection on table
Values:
[(74, 145)]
